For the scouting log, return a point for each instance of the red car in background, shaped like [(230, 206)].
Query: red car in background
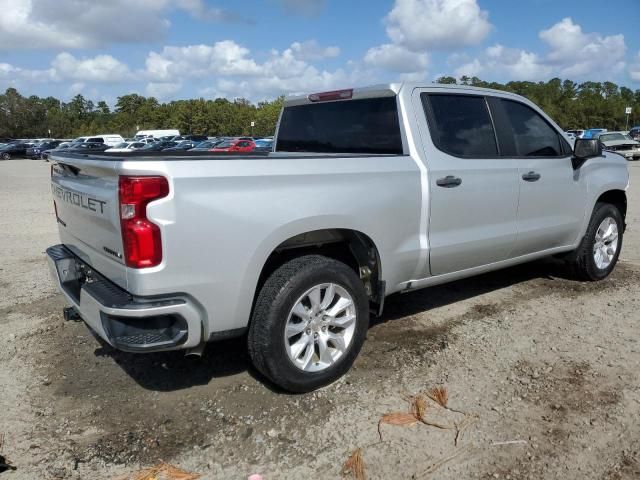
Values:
[(235, 146)]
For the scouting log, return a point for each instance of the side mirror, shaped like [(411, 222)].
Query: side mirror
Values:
[(584, 149)]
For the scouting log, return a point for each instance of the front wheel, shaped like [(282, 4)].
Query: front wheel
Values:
[(6, 156), (597, 254), (309, 323)]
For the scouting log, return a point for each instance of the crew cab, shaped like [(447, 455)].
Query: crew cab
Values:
[(369, 192)]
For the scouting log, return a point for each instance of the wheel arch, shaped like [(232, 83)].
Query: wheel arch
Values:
[(619, 199), (350, 246)]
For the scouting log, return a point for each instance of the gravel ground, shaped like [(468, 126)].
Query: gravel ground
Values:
[(543, 372)]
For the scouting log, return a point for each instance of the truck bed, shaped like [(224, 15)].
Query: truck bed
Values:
[(178, 156)]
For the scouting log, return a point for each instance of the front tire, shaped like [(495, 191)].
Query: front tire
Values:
[(597, 255), (6, 156), (309, 323)]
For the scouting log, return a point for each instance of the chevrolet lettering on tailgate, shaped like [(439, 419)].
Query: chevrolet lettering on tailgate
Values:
[(78, 199)]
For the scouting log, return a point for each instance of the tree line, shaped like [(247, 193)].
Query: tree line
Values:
[(34, 117), (573, 105)]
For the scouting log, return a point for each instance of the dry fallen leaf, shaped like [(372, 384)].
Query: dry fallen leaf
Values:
[(418, 407), (354, 465), (399, 418), (162, 471), (440, 394)]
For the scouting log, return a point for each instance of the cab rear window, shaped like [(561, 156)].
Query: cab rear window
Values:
[(368, 126)]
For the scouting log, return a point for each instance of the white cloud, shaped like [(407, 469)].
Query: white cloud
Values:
[(515, 63), (578, 54), (7, 70), (396, 58), (79, 24), (571, 53), (239, 74), (311, 50), (31, 24), (437, 24), (201, 11), (498, 61), (162, 90), (101, 68), (222, 58), (81, 75), (472, 68)]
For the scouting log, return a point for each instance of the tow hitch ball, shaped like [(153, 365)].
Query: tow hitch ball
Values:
[(70, 313)]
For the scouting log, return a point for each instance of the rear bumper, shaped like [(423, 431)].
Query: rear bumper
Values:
[(127, 322)]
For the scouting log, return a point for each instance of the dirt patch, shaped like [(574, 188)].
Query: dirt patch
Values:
[(40, 308)]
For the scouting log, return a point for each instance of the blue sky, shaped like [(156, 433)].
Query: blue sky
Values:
[(263, 48)]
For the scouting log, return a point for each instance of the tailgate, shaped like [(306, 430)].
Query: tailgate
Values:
[(85, 193)]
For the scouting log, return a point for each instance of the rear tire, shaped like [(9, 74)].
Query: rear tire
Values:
[(6, 156), (302, 335), (597, 255)]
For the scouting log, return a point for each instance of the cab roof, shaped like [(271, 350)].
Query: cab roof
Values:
[(389, 90)]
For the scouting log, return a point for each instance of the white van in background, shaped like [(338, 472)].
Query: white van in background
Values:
[(111, 140), (156, 133)]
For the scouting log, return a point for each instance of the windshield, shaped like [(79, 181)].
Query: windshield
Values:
[(608, 137), (225, 144), (121, 145)]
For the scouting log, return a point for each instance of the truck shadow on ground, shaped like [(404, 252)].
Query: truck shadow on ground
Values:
[(170, 371)]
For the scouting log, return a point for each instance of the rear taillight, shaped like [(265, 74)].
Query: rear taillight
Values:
[(141, 238)]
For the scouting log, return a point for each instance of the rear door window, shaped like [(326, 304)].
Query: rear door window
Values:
[(96, 140), (460, 124), (368, 126)]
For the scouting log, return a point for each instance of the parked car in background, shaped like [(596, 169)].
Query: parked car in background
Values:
[(576, 133), (263, 145), (85, 147), (125, 147), (158, 146), (156, 133), (620, 143), (109, 140), (235, 146), (14, 150), (205, 146), (35, 152), (593, 132), (63, 146), (147, 140), (182, 145), (634, 133), (193, 138)]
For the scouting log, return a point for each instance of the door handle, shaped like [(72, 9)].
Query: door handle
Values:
[(531, 176), (449, 181)]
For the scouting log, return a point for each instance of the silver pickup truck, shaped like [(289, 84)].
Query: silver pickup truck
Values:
[(368, 192)]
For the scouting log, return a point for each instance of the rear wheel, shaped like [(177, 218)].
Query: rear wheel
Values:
[(597, 254), (309, 322), (6, 156)]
